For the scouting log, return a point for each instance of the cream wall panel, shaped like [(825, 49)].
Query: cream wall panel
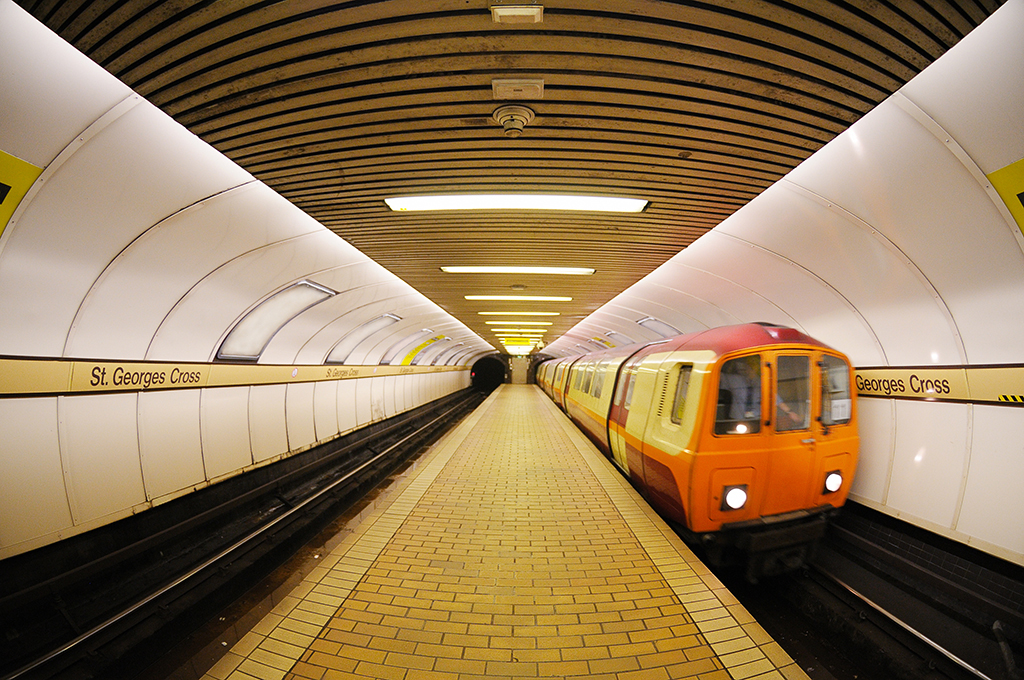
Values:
[(193, 329), (325, 409), (394, 389), (299, 411), (876, 449), (33, 501), (364, 405), (170, 441), (41, 74), (269, 432), (147, 279), (929, 464), (974, 91), (348, 417), (993, 502), (225, 428), (100, 453), (133, 173), (378, 410)]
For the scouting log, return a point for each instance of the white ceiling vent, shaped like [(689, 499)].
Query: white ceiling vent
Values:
[(517, 88), (517, 14)]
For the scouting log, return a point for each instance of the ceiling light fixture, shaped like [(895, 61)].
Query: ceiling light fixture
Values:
[(488, 269), (521, 298), (520, 323), (517, 14), (517, 202), (519, 313)]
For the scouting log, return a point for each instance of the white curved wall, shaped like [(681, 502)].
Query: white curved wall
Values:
[(140, 243), (892, 245)]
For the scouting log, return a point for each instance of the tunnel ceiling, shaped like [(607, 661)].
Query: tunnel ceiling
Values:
[(695, 106)]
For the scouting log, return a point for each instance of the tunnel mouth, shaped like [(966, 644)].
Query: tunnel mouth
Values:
[(488, 374)]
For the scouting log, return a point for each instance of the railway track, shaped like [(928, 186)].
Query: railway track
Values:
[(94, 606), (862, 610)]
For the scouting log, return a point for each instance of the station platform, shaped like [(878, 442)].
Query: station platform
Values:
[(513, 549)]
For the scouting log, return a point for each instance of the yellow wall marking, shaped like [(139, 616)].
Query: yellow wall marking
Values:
[(1009, 184), (16, 177), (965, 384), (27, 377), (407, 361)]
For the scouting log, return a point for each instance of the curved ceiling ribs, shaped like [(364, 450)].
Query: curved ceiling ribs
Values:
[(695, 106)]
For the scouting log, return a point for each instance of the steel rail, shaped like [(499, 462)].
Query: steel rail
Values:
[(905, 626), (99, 628)]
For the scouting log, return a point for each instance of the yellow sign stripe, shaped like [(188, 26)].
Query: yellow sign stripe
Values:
[(27, 377), (969, 384), (16, 178), (1009, 184)]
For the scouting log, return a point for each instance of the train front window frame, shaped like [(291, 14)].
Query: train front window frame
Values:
[(836, 401), (739, 396), (792, 393)]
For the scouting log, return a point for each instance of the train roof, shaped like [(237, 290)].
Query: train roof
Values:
[(721, 340), (727, 339)]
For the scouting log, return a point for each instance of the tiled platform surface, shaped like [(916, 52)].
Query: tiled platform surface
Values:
[(514, 551)]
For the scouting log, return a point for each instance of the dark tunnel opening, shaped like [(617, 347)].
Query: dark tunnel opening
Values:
[(488, 374)]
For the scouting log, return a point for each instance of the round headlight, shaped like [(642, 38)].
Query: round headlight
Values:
[(833, 481), (736, 497)]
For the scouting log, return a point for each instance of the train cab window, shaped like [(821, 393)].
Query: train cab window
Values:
[(836, 406), (682, 387), (793, 394), (739, 396)]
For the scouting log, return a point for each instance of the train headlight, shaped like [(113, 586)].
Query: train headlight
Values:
[(833, 481), (734, 497)]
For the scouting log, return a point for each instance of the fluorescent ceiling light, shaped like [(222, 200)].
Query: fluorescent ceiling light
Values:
[(341, 352), (554, 271), (519, 314), (252, 334), (520, 323), (531, 331), (517, 202), (521, 298), (663, 329)]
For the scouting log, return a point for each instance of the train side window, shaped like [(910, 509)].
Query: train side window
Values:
[(682, 387), (588, 377), (836, 406), (577, 374), (598, 380), (629, 389), (739, 396), (793, 394)]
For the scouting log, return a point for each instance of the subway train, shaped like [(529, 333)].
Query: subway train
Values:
[(743, 437)]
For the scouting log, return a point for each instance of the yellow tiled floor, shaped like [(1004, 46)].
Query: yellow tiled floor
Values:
[(515, 551)]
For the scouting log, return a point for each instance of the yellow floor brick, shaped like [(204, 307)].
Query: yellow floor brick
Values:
[(512, 549)]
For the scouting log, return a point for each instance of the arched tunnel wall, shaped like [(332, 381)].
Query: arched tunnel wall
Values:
[(129, 244), (129, 251)]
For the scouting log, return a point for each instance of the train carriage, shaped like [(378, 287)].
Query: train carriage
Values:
[(745, 437)]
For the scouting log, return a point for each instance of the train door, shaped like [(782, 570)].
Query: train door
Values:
[(619, 412), (792, 402)]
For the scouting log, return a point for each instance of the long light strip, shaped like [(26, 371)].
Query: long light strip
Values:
[(554, 271), (519, 314), (517, 202), (520, 323), (521, 298)]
